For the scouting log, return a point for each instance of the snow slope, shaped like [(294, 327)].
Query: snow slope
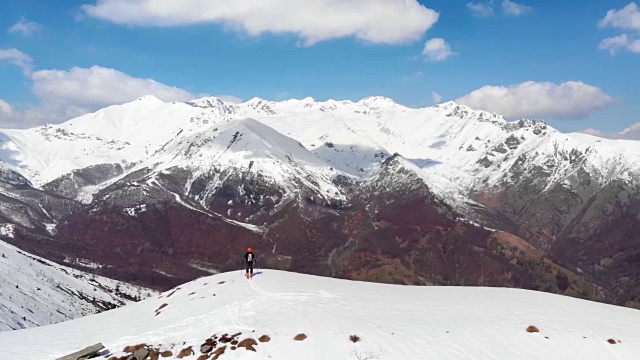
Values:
[(38, 292), (393, 322)]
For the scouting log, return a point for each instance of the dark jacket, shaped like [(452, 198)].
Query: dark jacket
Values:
[(249, 257)]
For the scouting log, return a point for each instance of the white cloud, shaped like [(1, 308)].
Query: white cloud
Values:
[(437, 49), (619, 43), (415, 76), (18, 58), (480, 9), (5, 108), (572, 99), (375, 21), (25, 27), (630, 133), (99, 86), (66, 94), (514, 8), (436, 97), (229, 98), (625, 18)]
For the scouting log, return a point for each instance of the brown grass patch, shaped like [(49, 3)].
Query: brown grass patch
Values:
[(264, 338), (218, 352), (203, 357), (185, 352), (611, 341), (166, 354), (154, 355), (133, 348), (299, 337), (532, 329), (248, 344)]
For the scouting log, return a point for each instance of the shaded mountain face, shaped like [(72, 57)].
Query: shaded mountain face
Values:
[(370, 190), (38, 292)]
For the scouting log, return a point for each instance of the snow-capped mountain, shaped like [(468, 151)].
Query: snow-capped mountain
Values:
[(38, 292), (175, 178), (281, 315)]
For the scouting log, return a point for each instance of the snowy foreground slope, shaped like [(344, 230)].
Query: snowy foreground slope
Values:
[(392, 321), (35, 291)]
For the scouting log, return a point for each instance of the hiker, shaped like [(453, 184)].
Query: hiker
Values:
[(250, 259)]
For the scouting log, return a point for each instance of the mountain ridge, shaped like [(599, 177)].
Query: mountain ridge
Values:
[(260, 164)]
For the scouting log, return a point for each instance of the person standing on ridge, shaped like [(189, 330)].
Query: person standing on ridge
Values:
[(250, 259)]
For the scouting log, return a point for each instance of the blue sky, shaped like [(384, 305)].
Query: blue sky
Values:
[(567, 62)]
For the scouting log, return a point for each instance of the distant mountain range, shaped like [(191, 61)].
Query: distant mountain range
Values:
[(163, 192)]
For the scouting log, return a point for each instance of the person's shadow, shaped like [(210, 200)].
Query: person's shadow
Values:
[(257, 273)]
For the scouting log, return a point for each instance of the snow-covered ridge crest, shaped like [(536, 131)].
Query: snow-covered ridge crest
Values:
[(343, 319), (346, 135)]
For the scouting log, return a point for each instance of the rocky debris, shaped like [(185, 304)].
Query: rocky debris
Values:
[(140, 354), (208, 345), (185, 352), (264, 338), (248, 344), (532, 329), (133, 348), (218, 352), (226, 338), (299, 337), (160, 308), (86, 353)]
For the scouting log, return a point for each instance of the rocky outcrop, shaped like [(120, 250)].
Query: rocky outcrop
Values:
[(86, 353)]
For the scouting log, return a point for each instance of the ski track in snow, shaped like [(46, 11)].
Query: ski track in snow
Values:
[(397, 321)]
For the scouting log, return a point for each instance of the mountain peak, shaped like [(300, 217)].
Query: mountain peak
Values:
[(149, 98), (378, 100), (206, 102)]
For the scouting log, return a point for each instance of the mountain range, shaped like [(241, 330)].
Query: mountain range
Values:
[(159, 193)]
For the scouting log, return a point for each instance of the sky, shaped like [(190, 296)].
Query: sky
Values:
[(574, 64)]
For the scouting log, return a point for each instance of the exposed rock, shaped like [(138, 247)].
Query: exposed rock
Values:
[(86, 353)]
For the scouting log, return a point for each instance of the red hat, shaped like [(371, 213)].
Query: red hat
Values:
[(248, 249)]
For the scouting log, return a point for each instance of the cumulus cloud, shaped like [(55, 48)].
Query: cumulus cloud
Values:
[(99, 86), (18, 58), (25, 27), (515, 9), (625, 18), (437, 49), (569, 100), (5, 108), (375, 21), (64, 94), (229, 98), (436, 97), (630, 133), (480, 9), (619, 43), (489, 8)]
